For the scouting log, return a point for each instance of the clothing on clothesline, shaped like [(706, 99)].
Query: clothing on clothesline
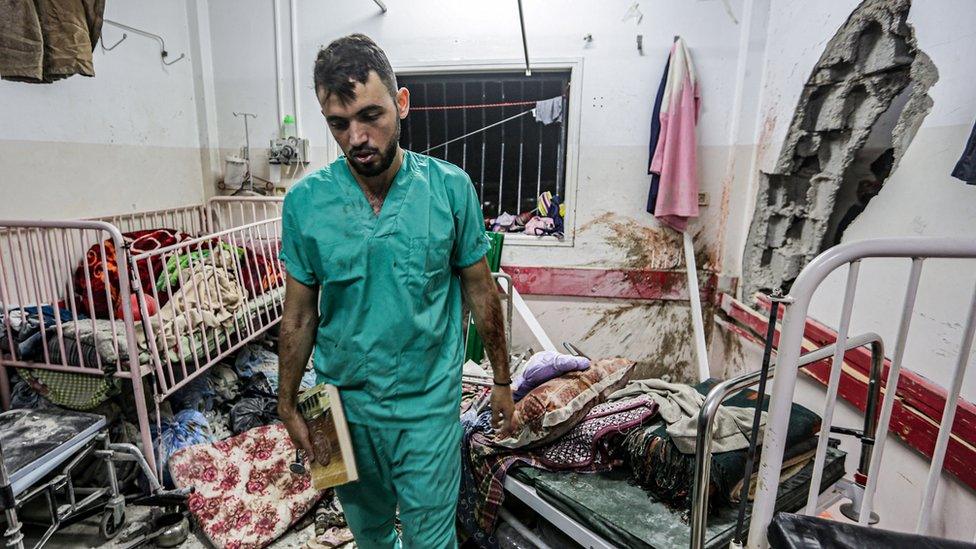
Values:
[(675, 157), (655, 136), (966, 167), (548, 111), (41, 42)]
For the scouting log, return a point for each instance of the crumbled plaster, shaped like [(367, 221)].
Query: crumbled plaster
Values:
[(868, 62)]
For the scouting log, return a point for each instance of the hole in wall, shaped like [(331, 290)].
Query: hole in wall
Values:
[(860, 108)]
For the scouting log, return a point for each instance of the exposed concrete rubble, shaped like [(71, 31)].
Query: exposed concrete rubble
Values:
[(871, 60)]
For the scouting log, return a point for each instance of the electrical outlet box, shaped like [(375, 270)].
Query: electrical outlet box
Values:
[(703, 199), (288, 151)]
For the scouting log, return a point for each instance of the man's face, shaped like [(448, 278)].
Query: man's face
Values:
[(368, 127)]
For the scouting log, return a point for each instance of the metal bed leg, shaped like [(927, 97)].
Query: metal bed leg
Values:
[(143, 415), (12, 537)]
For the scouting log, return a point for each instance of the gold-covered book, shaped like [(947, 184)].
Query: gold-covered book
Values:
[(334, 462)]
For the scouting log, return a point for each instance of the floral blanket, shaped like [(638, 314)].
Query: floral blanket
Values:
[(245, 496)]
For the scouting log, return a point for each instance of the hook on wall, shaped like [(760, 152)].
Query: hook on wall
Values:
[(115, 45), (162, 44)]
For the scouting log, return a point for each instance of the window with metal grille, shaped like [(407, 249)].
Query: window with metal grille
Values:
[(483, 122)]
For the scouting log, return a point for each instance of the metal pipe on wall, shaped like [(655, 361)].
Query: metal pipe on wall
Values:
[(293, 5), (279, 84)]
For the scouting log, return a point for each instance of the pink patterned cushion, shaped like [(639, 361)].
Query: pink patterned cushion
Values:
[(245, 495), (553, 408)]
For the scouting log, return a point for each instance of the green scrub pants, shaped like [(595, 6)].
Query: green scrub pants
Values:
[(417, 470)]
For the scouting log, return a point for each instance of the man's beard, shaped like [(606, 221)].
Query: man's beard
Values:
[(383, 160)]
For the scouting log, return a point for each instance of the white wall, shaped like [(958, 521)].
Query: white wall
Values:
[(127, 139), (618, 87)]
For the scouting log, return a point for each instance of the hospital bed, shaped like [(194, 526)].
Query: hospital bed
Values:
[(41, 451), (38, 263), (606, 510)]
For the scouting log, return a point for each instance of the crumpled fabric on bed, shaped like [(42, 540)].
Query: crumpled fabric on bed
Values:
[(261, 274), (663, 469), (593, 445), (679, 405), (177, 267), (553, 408), (245, 496), (208, 299), (25, 328), (101, 278), (542, 367)]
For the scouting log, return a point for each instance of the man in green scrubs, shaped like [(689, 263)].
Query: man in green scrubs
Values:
[(379, 247)]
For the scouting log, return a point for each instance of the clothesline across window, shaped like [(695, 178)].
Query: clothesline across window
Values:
[(536, 105)]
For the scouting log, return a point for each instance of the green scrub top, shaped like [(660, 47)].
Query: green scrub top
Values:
[(389, 333)]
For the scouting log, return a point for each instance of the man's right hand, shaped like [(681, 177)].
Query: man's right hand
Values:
[(297, 430)]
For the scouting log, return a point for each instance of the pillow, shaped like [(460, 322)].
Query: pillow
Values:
[(553, 408), (245, 495)]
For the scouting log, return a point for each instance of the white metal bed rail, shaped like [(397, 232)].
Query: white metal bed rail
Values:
[(917, 249), (224, 212), (188, 219), (721, 391), (38, 260)]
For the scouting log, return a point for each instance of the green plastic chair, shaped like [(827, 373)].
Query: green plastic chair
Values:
[(474, 346)]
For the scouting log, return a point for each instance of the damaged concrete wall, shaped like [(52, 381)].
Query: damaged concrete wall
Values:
[(864, 67)]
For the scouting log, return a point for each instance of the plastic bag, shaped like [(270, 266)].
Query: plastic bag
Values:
[(186, 428), (253, 412)]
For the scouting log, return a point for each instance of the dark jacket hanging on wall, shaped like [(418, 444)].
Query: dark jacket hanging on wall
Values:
[(47, 40), (655, 134), (966, 167)]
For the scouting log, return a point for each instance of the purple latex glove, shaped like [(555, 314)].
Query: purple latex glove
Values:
[(544, 366)]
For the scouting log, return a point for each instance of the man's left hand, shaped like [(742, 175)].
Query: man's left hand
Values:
[(502, 411)]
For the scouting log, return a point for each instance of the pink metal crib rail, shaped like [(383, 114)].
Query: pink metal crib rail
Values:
[(38, 260)]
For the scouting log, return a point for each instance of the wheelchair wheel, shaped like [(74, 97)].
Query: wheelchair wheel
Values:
[(109, 527)]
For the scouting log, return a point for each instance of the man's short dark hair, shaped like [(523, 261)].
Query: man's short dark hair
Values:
[(348, 60)]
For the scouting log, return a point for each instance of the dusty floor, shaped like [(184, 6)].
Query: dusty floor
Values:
[(85, 534)]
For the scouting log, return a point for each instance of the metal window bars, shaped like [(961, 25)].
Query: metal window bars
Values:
[(917, 249), (454, 131)]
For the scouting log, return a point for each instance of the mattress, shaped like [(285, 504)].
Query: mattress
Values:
[(610, 505)]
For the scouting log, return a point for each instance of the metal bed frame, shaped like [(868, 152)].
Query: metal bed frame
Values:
[(38, 260), (703, 451), (917, 249)]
